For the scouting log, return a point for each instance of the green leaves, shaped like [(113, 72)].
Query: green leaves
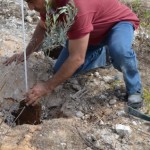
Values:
[(146, 97), (57, 29)]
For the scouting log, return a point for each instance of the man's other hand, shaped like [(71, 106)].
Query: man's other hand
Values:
[(16, 57)]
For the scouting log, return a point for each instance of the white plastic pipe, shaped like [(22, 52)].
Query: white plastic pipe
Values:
[(24, 45)]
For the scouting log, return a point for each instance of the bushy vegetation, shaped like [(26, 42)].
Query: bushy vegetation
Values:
[(143, 13), (56, 34), (146, 96)]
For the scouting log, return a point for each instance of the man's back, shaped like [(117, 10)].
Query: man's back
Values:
[(98, 16)]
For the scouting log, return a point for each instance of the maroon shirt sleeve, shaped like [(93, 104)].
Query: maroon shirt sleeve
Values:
[(82, 26)]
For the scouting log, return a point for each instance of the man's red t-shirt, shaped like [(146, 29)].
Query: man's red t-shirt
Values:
[(97, 17)]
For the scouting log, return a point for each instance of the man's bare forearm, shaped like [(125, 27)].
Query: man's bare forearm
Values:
[(66, 71), (36, 40), (77, 51)]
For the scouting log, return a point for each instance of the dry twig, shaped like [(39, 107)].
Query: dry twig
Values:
[(86, 141)]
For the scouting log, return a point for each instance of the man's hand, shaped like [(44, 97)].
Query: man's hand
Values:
[(36, 93), (33, 45), (16, 57)]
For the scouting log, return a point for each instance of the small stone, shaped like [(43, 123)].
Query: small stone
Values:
[(93, 138), (112, 101), (87, 116), (103, 97), (101, 122), (19, 23), (134, 123), (107, 105), (76, 87), (74, 81), (31, 13), (91, 108), (97, 144), (83, 118), (120, 113), (29, 19), (123, 130), (108, 79), (123, 94), (96, 74), (63, 145), (79, 114), (91, 74)]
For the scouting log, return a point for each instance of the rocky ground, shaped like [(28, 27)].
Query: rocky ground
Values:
[(85, 113)]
